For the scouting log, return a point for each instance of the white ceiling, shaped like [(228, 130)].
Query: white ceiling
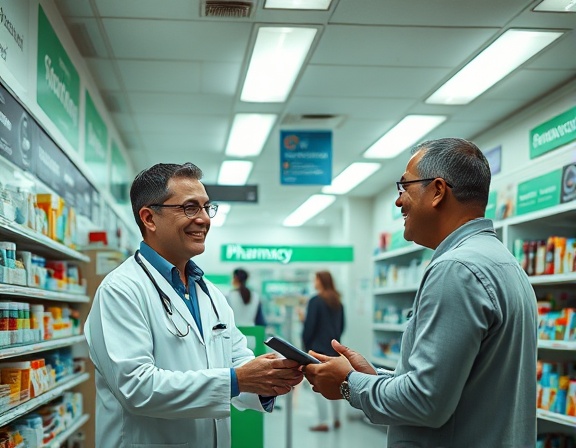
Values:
[(171, 79)]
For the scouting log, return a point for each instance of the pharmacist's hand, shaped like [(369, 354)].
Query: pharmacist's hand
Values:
[(357, 361), (327, 376), (268, 375)]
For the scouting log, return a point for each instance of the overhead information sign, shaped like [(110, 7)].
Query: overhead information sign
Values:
[(306, 157)]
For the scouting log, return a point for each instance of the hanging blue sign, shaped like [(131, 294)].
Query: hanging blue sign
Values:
[(306, 157)]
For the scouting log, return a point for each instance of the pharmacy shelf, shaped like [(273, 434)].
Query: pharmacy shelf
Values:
[(389, 327), (395, 290), (556, 345), (59, 440), (412, 248), (51, 344), (28, 239), (44, 294), (556, 418), (36, 402), (388, 361), (558, 279)]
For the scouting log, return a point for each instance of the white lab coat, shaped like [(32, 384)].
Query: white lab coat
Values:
[(155, 389)]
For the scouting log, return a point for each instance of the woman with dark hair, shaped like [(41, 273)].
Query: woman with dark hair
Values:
[(324, 321), (244, 302)]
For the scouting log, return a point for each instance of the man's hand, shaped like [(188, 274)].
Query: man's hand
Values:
[(327, 377), (268, 375), (357, 361)]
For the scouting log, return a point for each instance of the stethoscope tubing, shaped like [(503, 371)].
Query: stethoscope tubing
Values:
[(167, 303)]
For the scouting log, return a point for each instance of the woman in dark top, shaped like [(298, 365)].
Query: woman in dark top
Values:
[(324, 321)]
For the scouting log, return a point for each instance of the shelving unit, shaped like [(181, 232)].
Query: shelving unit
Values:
[(393, 293), (27, 239), (63, 436), (34, 403)]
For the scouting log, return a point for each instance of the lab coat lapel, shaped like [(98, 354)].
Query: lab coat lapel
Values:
[(180, 308)]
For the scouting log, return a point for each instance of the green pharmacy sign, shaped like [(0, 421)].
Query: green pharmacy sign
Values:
[(553, 134), (58, 82), (286, 254), (539, 193)]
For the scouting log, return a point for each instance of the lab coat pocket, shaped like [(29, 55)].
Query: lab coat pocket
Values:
[(222, 346)]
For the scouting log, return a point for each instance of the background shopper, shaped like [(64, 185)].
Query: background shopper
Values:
[(324, 322)]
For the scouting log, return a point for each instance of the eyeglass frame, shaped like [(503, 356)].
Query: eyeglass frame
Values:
[(400, 184), (206, 208)]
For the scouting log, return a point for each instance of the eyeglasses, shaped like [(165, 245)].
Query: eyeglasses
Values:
[(191, 210), (401, 184)]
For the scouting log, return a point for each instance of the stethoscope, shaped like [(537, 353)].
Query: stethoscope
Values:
[(167, 303)]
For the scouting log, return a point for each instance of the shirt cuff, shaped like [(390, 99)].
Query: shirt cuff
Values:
[(267, 403), (234, 387)]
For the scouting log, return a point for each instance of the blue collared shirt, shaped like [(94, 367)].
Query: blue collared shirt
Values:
[(194, 274)]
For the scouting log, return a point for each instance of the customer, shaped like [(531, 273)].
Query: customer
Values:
[(244, 302), (324, 321), (169, 359), (467, 370)]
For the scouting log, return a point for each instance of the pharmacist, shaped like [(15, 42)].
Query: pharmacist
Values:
[(169, 358)]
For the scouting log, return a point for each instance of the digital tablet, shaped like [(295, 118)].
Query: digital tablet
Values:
[(289, 351)]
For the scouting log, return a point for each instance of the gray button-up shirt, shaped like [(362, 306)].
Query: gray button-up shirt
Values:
[(467, 371)]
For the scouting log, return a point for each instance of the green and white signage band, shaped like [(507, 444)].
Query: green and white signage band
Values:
[(553, 134), (58, 82), (286, 254), (539, 193)]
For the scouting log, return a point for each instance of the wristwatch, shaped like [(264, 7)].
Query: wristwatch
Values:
[(345, 388)]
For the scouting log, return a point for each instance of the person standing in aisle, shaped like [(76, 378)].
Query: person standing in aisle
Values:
[(467, 370), (324, 322), (244, 302), (169, 359)]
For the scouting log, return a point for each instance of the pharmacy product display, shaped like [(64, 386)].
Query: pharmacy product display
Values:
[(40, 291), (397, 274)]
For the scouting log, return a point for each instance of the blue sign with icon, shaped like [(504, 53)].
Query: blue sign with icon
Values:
[(306, 157)]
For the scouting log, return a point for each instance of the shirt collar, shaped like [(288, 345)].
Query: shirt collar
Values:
[(462, 233), (165, 268)]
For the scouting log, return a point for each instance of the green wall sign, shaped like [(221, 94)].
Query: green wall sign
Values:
[(554, 133), (285, 254), (118, 175), (539, 193), (58, 82), (96, 142), (491, 206)]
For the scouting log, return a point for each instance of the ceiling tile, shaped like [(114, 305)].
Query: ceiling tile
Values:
[(171, 103), (102, 70), (160, 76), (178, 40), (369, 82), (446, 13), (399, 46)]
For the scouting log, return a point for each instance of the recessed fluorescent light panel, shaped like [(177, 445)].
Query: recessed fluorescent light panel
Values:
[(406, 133), (234, 172), (297, 4), (504, 55), (249, 134), (352, 176), (278, 55), (557, 6), (313, 205), (221, 215)]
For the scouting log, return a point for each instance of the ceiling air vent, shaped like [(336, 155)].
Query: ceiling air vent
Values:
[(223, 8), (313, 121)]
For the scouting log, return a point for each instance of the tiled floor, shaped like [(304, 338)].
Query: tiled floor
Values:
[(353, 432)]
